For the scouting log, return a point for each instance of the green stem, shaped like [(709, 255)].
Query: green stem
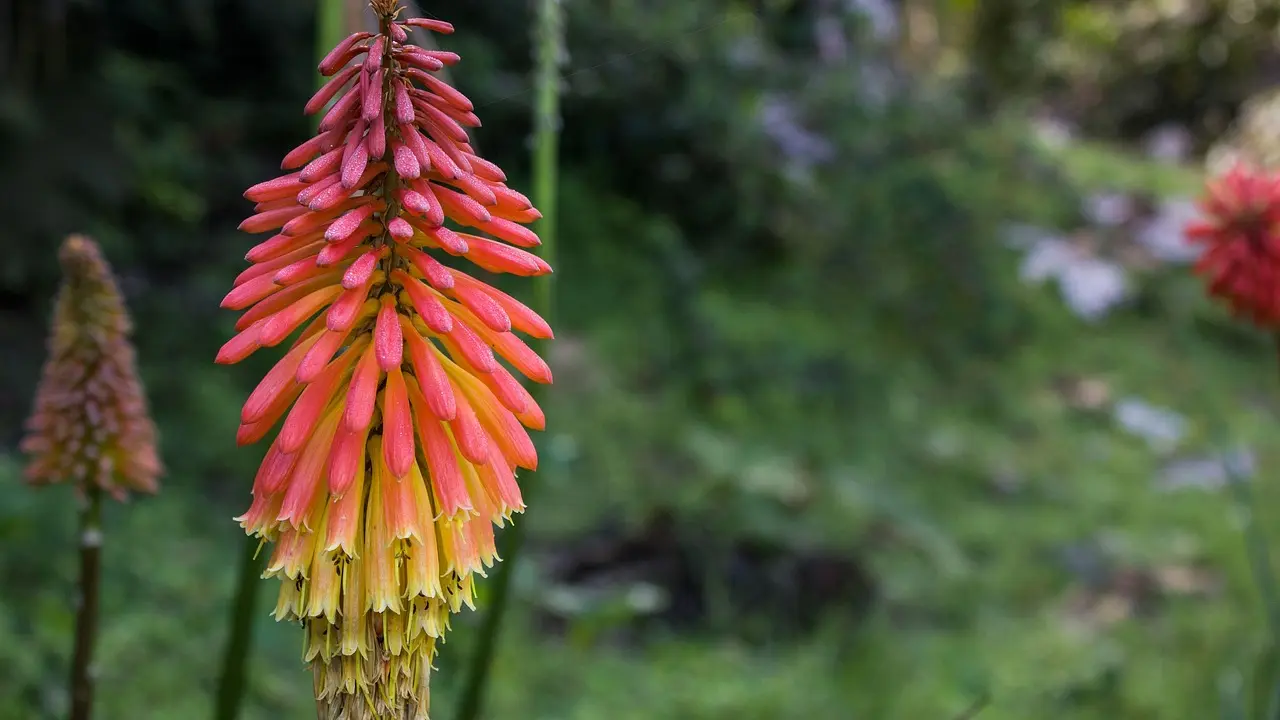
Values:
[(1263, 572), (1256, 546), (1263, 575), (330, 26), (1256, 541), (549, 47), (235, 660), (87, 607)]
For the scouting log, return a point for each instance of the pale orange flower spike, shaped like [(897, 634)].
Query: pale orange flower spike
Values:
[(400, 432), (90, 426)]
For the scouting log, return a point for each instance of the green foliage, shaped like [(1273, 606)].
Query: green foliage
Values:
[(1147, 62), (1108, 168)]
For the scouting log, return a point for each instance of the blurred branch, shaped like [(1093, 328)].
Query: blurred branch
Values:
[(26, 38), (6, 36), (33, 41), (55, 38)]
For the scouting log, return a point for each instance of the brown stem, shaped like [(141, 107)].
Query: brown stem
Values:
[(87, 604)]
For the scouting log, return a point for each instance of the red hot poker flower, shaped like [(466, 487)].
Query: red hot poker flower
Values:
[(400, 431), (91, 424), (1241, 232)]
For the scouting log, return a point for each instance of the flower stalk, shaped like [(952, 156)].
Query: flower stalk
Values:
[(82, 679), (90, 428)]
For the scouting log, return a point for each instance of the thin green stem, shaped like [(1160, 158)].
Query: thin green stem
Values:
[(1266, 572), (330, 29), (1255, 540), (1263, 575), (235, 659), (87, 605), (549, 48), (1266, 700), (1263, 572), (546, 151), (1256, 546)]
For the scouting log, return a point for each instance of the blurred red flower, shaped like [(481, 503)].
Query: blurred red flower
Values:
[(1241, 235)]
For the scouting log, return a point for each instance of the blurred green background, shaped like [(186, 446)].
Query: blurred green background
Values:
[(882, 385)]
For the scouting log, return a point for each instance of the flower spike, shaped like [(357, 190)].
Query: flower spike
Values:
[(400, 428), (91, 426)]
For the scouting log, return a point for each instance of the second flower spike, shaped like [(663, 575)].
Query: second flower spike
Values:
[(91, 425), (400, 427)]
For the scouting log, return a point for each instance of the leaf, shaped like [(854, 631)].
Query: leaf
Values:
[(1266, 672), (1232, 697)]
